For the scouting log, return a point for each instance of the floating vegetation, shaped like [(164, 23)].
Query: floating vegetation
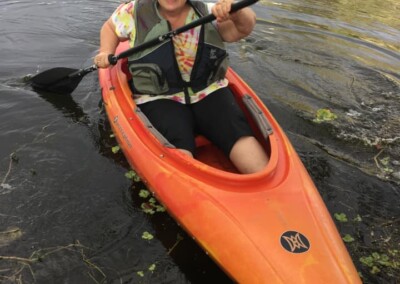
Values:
[(376, 261), (348, 238), (341, 217), (151, 206), (132, 175), (383, 164), (324, 115), (147, 208), (115, 149), (387, 261), (140, 273), (147, 236), (152, 267), (144, 193)]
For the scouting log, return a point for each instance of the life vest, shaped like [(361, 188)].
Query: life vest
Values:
[(155, 70)]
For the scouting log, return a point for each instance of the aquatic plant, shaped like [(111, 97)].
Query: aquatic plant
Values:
[(341, 217), (147, 236), (324, 115), (132, 175), (115, 149), (376, 261)]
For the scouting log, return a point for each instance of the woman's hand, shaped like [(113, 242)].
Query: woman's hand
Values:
[(101, 60), (221, 10), (108, 43), (233, 26)]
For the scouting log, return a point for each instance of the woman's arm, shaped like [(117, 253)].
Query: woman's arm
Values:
[(108, 44), (235, 26)]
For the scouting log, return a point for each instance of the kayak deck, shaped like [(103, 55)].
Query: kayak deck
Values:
[(267, 227)]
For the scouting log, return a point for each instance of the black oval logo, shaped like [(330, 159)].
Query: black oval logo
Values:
[(295, 242)]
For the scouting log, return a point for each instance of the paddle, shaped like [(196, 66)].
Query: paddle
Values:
[(64, 80)]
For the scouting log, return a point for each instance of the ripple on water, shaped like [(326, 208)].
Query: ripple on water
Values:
[(329, 56)]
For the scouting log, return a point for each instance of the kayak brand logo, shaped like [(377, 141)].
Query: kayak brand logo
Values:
[(294, 242), (122, 131)]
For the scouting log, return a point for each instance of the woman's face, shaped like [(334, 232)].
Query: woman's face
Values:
[(172, 5)]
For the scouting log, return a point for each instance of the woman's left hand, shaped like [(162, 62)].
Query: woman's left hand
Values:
[(221, 10), (233, 26)]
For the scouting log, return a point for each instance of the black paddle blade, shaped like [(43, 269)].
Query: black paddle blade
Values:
[(59, 80)]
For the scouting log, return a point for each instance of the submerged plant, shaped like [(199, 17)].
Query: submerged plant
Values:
[(324, 115)]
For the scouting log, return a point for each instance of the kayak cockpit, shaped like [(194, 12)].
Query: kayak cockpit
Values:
[(208, 153), (209, 161)]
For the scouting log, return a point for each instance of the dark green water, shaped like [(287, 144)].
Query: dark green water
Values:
[(64, 197)]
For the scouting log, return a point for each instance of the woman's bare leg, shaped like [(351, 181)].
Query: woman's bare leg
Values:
[(248, 155)]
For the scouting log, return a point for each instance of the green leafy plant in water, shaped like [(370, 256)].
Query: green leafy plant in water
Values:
[(376, 261), (147, 236), (132, 175), (140, 273), (152, 267), (147, 208), (115, 149), (348, 238), (158, 207), (144, 193), (150, 206), (341, 217), (324, 115), (385, 162)]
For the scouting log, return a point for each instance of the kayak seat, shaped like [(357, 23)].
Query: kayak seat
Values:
[(201, 141), (209, 154)]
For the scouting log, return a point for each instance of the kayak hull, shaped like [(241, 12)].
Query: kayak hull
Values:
[(267, 227)]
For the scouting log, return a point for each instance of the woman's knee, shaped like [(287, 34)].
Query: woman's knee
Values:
[(248, 155)]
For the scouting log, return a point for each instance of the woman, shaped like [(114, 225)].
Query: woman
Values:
[(180, 85)]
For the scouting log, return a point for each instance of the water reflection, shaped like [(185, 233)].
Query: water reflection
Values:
[(371, 21)]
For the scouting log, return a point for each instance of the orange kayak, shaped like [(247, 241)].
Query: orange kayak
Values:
[(267, 227)]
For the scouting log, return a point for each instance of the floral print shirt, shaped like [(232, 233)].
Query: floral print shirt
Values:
[(185, 51)]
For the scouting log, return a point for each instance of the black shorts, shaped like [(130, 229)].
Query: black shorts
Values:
[(217, 117)]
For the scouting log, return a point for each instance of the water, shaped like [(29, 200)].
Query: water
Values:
[(65, 200)]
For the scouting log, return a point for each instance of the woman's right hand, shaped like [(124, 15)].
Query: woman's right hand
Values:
[(101, 60)]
